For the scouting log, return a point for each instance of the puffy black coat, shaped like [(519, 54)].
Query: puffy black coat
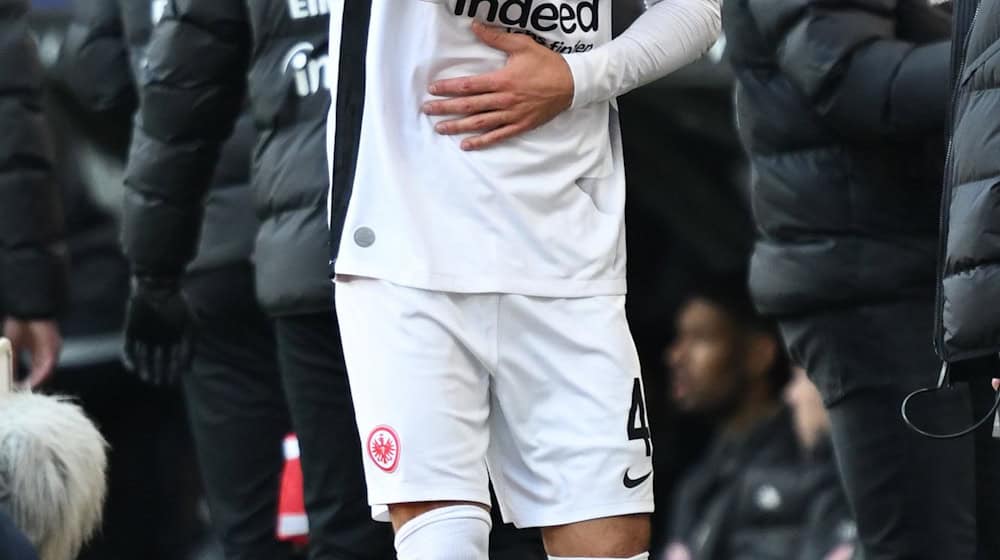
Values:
[(101, 60), (759, 498), (203, 60), (841, 106), (33, 266), (968, 324)]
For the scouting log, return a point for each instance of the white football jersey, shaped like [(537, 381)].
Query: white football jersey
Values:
[(538, 215)]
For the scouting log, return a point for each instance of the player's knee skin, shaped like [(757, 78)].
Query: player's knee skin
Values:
[(623, 537), (449, 532)]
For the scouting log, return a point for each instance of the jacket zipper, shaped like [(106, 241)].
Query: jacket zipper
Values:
[(949, 183)]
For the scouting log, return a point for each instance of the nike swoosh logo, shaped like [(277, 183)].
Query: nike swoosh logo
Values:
[(633, 482)]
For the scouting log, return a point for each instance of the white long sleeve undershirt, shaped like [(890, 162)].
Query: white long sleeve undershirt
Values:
[(668, 36)]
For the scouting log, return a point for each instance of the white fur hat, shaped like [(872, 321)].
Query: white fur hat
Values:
[(53, 464)]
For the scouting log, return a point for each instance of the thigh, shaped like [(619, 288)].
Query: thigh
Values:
[(315, 381), (865, 361), (886, 346), (912, 497), (570, 438), (420, 389), (238, 417)]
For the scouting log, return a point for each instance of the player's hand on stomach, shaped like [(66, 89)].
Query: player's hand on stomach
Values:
[(534, 87)]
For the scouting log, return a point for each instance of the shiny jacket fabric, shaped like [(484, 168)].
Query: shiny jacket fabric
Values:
[(101, 61), (967, 322), (841, 106), (33, 264), (204, 60)]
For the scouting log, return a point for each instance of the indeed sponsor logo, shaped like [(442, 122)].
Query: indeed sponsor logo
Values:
[(302, 9), (310, 73), (536, 15)]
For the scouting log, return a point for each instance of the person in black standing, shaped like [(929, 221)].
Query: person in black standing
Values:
[(233, 392), (968, 330), (33, 266), (842, 109), (203, 59)]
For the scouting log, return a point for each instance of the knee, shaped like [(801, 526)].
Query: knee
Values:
[(625, 537)]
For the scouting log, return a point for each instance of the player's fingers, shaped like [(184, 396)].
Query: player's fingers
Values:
[(493, 137), (470, 105), (468, 85), (501, 39), (476, 123)]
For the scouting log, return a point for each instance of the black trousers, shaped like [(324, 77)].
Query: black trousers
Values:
[(315, 381), (913, 498), (238, 414)]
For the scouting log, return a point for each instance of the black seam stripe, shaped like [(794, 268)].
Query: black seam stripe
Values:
[(349, 114)]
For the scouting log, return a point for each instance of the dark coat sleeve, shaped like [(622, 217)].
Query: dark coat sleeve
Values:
[(858, 69), (191, 93), (33, 266), (93, 63)]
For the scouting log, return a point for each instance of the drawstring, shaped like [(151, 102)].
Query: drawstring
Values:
[(944, 382)]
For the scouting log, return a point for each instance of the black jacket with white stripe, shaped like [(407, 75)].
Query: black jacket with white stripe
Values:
[(203, 61)]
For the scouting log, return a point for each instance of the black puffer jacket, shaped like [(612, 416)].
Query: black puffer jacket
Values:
[(841, 106), (33, 266), (100, 62), (968, 322), (203, 59)]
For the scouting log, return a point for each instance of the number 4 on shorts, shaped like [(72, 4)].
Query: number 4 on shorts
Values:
[(637, 427)]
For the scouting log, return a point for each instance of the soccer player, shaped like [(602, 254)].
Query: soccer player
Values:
[(477, 227)]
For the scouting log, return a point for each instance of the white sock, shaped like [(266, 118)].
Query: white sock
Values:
[(643, 556), (447, 533)]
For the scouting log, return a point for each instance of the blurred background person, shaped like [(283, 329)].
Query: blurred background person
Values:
[(235, 402), (829, 531), (760, 492), (841, 107), (33, 264)]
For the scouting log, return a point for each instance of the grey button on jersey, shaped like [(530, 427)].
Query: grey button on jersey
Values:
[(364, 237)]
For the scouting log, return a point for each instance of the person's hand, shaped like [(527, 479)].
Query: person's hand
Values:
[(41, 340), (533, 88), (157, 331)]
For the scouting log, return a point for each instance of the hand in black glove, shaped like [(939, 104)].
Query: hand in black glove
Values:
[(158, 344)]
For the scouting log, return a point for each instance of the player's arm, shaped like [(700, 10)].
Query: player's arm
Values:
[(538, 84), (667, 37), (859, 75)]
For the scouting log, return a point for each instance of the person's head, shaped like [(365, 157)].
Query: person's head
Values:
[(725, 356), (811, 421)]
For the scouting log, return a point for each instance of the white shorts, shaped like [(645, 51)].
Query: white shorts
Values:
[(542, 395)]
